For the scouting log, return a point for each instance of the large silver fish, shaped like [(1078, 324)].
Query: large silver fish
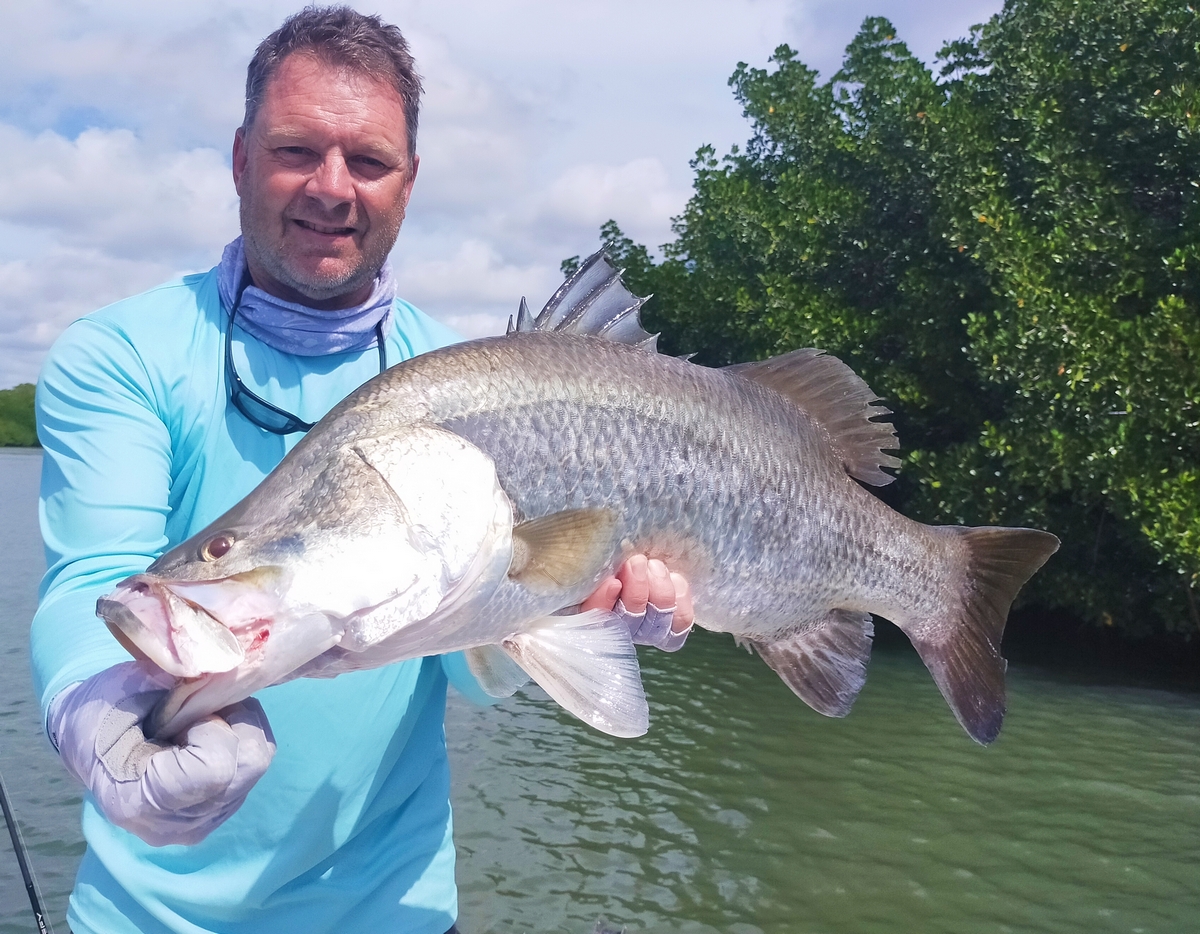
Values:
[(460, 499)]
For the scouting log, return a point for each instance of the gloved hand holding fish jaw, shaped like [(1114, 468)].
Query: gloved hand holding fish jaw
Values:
[(163, 792), (458, 500)]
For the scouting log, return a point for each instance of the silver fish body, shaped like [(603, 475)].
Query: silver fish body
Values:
[(508, 476), (719, 477)]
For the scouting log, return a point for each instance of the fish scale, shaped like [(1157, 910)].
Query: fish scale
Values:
[(768, 515), (505, 477)]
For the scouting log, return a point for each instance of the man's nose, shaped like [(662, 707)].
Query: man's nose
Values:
[(331, 184)]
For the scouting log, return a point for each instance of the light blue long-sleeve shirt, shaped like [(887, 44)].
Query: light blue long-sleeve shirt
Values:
[(350, 828)]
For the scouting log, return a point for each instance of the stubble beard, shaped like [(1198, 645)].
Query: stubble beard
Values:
[(270, 255)]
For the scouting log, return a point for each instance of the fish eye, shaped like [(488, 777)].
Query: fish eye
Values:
[(217, 547)]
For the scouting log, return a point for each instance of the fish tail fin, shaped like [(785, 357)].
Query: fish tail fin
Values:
[(961, 645)]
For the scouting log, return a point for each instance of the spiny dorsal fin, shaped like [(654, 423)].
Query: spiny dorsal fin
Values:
[(593, 301), (561, 550), (524, 320), (826, 664), (839, 399)]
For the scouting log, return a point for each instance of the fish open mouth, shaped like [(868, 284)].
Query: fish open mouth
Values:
[(194, 628)]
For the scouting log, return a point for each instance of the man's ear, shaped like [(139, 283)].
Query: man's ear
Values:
[(239, 158), (412, 177)]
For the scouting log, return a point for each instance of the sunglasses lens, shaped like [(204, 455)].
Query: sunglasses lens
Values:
[(259, 411), (264, 416)]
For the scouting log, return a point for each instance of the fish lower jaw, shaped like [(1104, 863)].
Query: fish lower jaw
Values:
[(190, 628), (161, 724)]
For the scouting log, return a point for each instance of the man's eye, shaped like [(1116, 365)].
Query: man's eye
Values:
[(294, 154)]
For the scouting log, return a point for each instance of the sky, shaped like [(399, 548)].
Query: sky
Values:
[(541, 120)]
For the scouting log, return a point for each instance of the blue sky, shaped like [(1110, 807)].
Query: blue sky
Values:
[(541, 121)]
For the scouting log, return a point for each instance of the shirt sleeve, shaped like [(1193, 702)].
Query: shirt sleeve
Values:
[(106, 472)]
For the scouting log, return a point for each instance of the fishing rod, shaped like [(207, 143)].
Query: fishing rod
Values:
[(31, 887)]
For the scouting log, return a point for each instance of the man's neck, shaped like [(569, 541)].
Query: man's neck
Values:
[(268, 283)]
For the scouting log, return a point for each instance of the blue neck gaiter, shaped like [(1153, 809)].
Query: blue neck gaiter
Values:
[(298, 329)]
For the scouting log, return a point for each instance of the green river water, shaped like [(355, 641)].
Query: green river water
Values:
[(743, 811)]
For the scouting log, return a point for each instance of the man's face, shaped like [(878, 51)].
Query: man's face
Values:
[(324, 177)]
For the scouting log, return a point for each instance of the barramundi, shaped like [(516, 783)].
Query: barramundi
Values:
[(467, 499)]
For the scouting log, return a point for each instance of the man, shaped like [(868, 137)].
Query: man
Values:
[(160, 412)]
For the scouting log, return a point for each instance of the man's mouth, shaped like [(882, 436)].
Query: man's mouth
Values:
[(324, 228)]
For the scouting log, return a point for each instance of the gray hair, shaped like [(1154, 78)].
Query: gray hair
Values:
[(342, 37)]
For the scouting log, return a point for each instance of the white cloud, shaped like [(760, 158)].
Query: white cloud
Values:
[(541, 120), (172, 72), (476, 273), (42, 295), (475, 290), (106, 189), (84, 222), (638, 194)]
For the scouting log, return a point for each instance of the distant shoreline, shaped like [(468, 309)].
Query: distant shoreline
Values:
[(18, 426)]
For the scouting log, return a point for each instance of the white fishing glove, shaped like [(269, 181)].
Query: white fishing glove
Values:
[(653, 627), (162, 792)]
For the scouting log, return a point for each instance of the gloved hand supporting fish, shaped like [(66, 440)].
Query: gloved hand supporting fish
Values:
[(462, 499)]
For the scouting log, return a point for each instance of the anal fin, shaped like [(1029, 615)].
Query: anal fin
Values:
[(588, 664), (825, 665)]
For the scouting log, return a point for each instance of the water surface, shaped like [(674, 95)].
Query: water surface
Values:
[(743, 811), (46, 799)]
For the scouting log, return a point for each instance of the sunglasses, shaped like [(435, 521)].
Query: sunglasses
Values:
[(258, 410)]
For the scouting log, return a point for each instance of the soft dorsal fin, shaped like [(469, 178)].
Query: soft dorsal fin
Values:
[(593, 301), (839, 399)]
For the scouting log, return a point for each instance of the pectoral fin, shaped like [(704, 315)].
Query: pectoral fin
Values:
[(562, 550), (588, 664), (495, 671), (825, 665)]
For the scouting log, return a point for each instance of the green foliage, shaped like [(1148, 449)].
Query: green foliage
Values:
[(1008, 251), (16, 417)]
